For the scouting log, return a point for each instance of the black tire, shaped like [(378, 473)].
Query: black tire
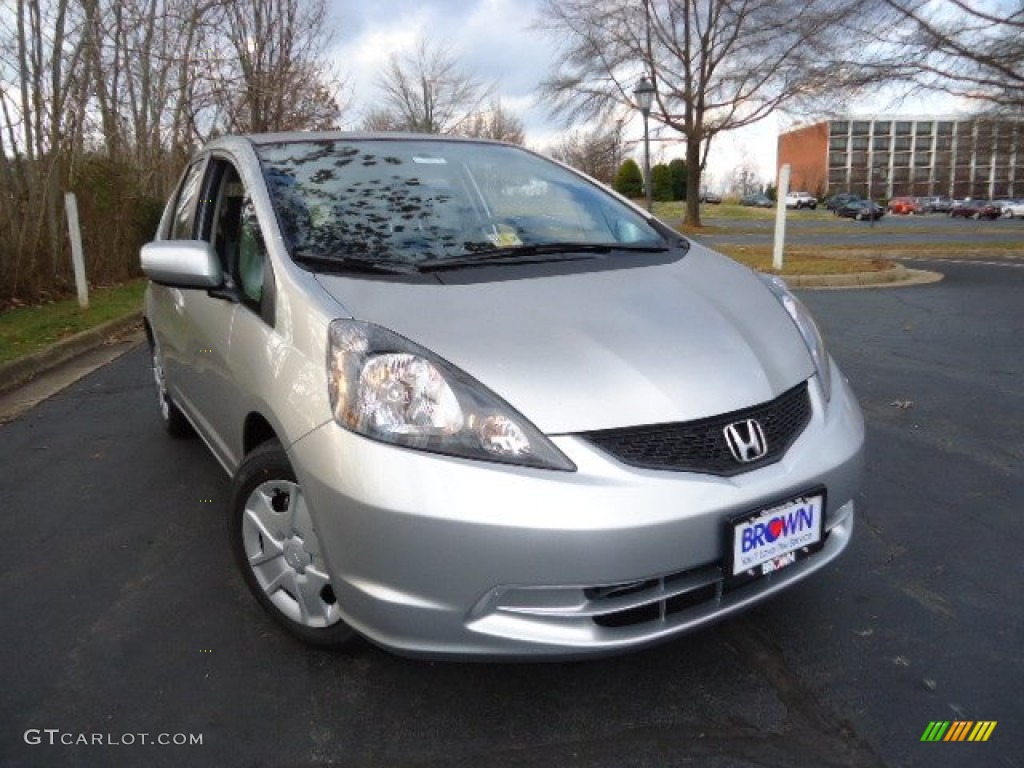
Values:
[(303, 602), (813, 206), (174, 421)]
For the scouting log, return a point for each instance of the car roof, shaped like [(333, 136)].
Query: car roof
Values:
[(276, 138)]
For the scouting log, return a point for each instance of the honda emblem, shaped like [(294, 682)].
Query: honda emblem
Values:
[(746, 441)]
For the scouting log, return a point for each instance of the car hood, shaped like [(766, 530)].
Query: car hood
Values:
[(602, 349)]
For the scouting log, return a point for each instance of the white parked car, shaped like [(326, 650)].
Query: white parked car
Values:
[(1013, 208), (801, 200)]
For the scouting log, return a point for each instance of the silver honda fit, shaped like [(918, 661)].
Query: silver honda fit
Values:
[(474, 404)]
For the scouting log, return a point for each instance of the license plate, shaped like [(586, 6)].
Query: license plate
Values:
[(774, 537)]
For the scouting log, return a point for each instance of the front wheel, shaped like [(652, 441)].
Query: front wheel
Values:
[(173, 419), (278, 549)]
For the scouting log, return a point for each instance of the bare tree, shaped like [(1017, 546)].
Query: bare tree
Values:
[(429, 91), (598, 152), (495, 122), (36, 53), (717, 64), (745, 180), (280, 82), (966, 48), (107, 97)]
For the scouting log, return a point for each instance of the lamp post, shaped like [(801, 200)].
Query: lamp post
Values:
[(644, 95)]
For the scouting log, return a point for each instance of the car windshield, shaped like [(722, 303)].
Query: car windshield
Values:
[(402, 201)]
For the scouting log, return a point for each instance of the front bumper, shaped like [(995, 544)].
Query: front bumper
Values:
[(438, 556)]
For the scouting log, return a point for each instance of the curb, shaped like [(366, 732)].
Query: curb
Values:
[(21, 371), (895, 274), (895, 278)]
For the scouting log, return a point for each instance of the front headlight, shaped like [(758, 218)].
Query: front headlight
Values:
[(808, 330), (387, 388)]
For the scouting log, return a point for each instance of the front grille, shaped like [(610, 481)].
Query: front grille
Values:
[(700, 446)]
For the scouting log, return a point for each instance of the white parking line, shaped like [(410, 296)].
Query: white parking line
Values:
[(1006, 263)]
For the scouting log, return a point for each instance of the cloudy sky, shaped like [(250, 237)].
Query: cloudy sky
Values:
[(491, 38), (494, 41)]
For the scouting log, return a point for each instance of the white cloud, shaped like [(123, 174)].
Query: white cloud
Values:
[(491, 38)]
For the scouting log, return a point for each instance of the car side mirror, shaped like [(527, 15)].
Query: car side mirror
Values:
[(182, 264)]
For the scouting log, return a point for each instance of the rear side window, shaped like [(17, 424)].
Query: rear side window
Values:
[(183, 225)]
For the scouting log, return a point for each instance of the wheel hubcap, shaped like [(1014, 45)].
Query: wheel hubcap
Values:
[(283, 551), (161, 385)]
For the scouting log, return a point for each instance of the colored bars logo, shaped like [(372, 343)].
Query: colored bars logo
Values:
[(958, 730)]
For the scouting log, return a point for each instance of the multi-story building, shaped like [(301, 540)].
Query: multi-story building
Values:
[(880, 156)]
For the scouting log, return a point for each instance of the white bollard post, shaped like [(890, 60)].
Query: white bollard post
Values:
[(77, 257), (780, 217)]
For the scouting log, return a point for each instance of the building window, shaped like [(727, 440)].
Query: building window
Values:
[(904, 127), (945, 128), (861, 127), (923, 159), (901, 159), (860, 143), (923, 142), (881, 144), (924, 128), (883, 128), (837, 159), (901, 145), (840, 127), (838, 143)]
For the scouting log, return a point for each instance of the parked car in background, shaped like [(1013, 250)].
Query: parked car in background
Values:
[(757, 200), (801, 200), (861, 210), (904, 205), (976, 209), (840, 199), (406, 353), (1002, 205), (937, 204), (711, 198), (1014, 209)]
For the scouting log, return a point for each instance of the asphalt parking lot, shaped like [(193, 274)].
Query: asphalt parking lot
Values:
[(821, 227), (124, 615)]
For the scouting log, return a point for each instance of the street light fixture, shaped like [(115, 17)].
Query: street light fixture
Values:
[(644, 95)]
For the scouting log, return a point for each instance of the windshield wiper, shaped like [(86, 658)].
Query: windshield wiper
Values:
[(536, 254), (354, 264)]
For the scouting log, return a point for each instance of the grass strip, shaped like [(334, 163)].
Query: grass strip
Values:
[(24, 330), (802, 262)]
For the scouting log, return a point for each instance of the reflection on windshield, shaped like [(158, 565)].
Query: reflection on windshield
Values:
[(399, 201)]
